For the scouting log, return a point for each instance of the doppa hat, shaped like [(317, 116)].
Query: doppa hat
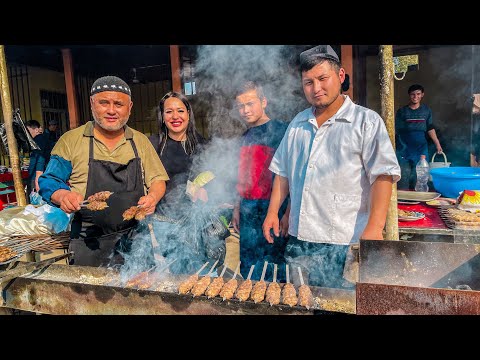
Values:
[(319, 51), (110, 83)]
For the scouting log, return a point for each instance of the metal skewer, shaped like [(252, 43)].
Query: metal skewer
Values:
[(300, 275), (234, 274), (288, 273), (223, 271), (213, 267), (264, 270), (274, 272), (236, 270), (203, 279), (203, 267), (250, 272)]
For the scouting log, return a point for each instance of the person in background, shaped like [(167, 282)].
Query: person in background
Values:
[(104, 155), (52, 135), (338, 164), (412, 124), (258, 144), (38, 158)]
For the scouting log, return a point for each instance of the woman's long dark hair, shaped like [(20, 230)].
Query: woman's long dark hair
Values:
[(191, 141)]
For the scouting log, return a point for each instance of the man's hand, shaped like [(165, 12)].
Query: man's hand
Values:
[(148, 202), (284, 225), (271, 222), (439, 149), (37, 175), (236, 218), (372, 233), (69, 201)]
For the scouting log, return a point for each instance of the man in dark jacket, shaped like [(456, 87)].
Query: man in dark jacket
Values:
[(52, 137), (37, 157)]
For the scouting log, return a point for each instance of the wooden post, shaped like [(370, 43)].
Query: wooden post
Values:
[(12, 143), (70, 87), (175, 63), (347, 64), (387, 113)]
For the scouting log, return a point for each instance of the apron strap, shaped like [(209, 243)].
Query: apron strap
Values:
[(90, 148)]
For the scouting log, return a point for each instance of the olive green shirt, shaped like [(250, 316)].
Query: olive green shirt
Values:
[(74, 146)]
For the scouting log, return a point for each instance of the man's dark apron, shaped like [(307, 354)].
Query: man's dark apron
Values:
[(97, 237)]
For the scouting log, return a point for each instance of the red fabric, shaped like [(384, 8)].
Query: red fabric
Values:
[(431, 219), (7, 179), (254, 178)]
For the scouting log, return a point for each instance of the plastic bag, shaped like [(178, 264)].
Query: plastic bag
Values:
[(55, 219), (36, 199)]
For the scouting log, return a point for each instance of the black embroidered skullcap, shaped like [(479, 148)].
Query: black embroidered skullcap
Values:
[(110, 83), (319, 51)]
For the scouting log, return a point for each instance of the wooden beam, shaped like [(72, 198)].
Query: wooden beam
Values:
[(347, 64), (12, 142), (70, 86), (388, 115), (175, 63)]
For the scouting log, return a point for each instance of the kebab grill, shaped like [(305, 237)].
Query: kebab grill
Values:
[(61, 289)]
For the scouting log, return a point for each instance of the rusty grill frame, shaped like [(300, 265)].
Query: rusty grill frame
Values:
[(57, 290)]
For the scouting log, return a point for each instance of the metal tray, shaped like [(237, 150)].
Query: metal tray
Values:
[(417, 195)]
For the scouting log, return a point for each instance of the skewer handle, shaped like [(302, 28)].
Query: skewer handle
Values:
[(203, 267), (213, 267), (274, 272), (300, 275), (223, 271), (287, 273), (264, 270), (236, 270), (250, 272)]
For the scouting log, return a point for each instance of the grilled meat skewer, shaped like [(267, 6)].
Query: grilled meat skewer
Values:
[(99, 196), (130, 213), (216, 285), (273, 291), (140, 214), (97, 205), (6, 253), (243, 291), (188, 284), (305, 297), (202, 284), (273, 294), (229, 288), (258, 291), (289, 294)]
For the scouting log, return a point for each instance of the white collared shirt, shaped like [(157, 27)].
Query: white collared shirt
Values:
[(330, 171)]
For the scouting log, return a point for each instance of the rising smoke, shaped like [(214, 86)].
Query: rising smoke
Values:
[(218, 70)]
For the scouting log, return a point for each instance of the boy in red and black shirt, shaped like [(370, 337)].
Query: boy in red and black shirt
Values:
[(254, 185)]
